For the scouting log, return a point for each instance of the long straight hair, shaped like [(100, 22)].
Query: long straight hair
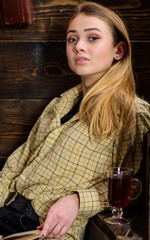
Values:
[(108, 105)]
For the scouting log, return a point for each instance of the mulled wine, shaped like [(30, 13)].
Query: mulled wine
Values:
[(120, 180), (119, 190)]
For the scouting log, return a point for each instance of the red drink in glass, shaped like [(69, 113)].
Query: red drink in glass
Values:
[(120, 180), (119, 190)]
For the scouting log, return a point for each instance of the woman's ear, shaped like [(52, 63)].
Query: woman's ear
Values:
[(120, 50)]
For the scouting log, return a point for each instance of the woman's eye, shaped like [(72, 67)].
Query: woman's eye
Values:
[(70, 40), (93, 38)]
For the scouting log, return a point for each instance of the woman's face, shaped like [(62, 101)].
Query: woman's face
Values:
[(90, 50)]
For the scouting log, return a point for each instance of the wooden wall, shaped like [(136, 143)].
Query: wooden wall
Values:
[(33, 65)]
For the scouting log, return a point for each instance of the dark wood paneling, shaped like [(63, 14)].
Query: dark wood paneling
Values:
[(34, 70), (16, 120), (141, 66), (124, 4), (51, 19)]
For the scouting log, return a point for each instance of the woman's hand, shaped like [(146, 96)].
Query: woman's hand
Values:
[(60, 217)]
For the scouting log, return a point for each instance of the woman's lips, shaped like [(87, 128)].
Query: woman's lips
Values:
[(81, 60)]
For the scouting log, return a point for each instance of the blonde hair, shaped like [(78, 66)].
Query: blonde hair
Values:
[(108, 105)]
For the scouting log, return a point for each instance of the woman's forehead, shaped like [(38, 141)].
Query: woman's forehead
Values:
[(86, 22)]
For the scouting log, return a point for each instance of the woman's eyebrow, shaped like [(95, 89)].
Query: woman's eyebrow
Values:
[(92, 29), (85, 30), (71, 31)]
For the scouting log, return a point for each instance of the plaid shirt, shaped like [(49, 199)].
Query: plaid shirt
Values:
[(57, 160)]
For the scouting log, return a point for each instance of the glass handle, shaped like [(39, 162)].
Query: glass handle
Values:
[(136, 188)]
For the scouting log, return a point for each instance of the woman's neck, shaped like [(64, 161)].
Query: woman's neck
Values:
[(87, 83)]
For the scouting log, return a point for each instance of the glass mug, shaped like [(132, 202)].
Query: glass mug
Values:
[(120, 182)]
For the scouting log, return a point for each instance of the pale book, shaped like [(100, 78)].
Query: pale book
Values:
[(29, 235)]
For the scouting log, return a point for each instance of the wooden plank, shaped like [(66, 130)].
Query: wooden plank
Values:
[(141, 64), (124, 4), (17, 119), (34, 70), (51, 19), (2, 161)]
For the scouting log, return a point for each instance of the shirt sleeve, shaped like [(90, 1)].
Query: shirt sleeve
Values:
[(93, 200), (127, 152)]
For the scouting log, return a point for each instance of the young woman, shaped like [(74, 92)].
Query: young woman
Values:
[(61, 169)]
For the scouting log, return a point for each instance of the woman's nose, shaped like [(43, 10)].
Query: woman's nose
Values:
[(79, 47)]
